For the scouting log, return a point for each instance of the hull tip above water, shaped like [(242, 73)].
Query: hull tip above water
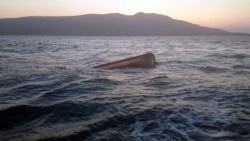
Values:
[(141, 61)]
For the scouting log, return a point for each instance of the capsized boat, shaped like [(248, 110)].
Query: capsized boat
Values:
[(142, 61)]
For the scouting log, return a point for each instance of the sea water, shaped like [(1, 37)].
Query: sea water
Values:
[(199, 90)]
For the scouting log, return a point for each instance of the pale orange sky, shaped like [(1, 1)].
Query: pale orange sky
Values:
[(230, 15)]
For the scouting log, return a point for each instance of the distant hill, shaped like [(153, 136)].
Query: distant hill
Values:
[(140, 24)]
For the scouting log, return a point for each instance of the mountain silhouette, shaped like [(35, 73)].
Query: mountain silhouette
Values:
[(115, 24)]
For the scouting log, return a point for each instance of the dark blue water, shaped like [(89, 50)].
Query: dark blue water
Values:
[(200, 89)]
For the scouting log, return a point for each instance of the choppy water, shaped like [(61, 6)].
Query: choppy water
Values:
[(200, 89)]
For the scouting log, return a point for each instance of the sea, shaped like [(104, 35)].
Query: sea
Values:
[(198, 91)]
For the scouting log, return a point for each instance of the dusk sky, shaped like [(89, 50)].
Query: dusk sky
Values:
[(230, 15)]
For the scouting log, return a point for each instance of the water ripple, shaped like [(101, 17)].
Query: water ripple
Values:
[(199, 89)]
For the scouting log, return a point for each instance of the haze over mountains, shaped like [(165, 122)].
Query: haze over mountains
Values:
[(140, 24)]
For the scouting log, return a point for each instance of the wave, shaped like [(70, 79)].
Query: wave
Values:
[(18, 115), (91, 120), (211, 69), (161, 82), (57, 113), (157, 123), (236, 56), (241, 66)]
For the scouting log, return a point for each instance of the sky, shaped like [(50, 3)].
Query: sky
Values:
[(230, 15)]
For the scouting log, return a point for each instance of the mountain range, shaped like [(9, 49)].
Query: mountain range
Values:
[(115, 24)]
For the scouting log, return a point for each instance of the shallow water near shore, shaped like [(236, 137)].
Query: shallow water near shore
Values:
[(199, 90)]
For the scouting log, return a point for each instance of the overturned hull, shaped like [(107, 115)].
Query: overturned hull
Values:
[(142, 61)]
